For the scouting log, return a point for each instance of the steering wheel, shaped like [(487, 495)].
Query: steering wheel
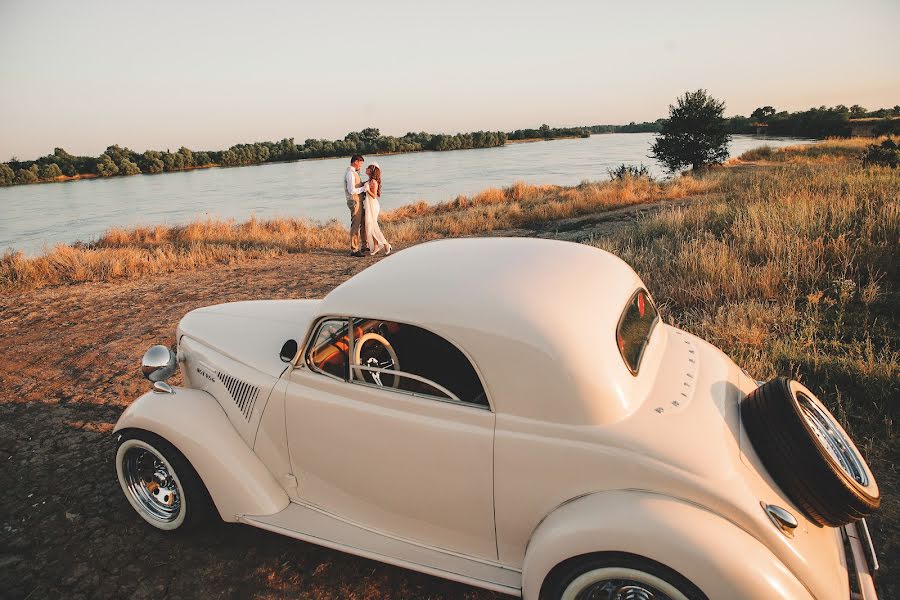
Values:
[(373, 350)]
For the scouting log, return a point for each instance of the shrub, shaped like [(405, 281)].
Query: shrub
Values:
[(885, 155), (623, 171)]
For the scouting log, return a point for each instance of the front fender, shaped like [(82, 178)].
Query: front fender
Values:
[(714, 554), (192, 421)]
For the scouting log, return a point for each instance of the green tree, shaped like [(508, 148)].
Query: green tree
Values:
[(857, 111), (50, 172), (29, 175), (150, 162), (201, 159), (128, 167), (762, 114), (694, 134), (187, 157), (7, 175), (106, 167)]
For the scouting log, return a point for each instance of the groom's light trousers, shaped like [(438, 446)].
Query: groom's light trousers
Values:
[(357, 223)]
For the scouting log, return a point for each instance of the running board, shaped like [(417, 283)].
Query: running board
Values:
[(318, 527)]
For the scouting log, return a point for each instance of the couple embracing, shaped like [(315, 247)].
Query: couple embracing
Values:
[(366, 237)]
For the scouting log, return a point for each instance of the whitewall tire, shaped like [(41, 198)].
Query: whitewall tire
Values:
[(159, 483)]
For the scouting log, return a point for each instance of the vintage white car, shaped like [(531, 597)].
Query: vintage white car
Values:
[(509, 413)]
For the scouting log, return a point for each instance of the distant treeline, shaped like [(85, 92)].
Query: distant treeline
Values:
[(124, 161), (819, 122), (813, 123)]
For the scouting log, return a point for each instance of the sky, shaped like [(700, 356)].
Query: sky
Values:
[(84, 75)]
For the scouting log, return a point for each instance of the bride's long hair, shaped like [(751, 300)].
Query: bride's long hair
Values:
[(376, 175)]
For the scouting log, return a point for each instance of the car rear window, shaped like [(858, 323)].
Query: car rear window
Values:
[(634, 330)]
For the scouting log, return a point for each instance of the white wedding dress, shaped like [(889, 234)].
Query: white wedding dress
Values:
[(373, 230)]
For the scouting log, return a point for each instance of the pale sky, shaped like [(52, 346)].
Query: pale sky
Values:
[(83, 75)]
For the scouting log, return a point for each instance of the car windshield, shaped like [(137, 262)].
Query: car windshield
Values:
[(634, 330)]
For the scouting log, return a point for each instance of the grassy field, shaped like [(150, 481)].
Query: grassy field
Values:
[(793, 271)]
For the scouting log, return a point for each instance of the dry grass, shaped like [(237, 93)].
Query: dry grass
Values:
[(794, 271), (147, 250), (833, 150)]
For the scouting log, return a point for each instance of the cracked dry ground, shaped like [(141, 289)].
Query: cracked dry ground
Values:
[(69, 365)]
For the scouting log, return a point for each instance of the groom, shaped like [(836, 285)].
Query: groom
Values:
[(353, 188)]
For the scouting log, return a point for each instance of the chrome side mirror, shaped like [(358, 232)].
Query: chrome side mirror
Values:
[(288, 351), (158, 364)]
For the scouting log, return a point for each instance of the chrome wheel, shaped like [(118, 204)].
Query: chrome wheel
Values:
[(150, 484), (620, 583), (621, 589), (832, 439)]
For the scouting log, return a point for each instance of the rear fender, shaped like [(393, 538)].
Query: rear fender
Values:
[(192, 421), (714, 554)]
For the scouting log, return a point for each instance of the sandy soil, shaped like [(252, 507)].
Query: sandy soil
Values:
[(69, 359)]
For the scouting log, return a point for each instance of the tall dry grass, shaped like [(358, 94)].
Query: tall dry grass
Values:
[(147, 250), (832, 150), (795, 270)]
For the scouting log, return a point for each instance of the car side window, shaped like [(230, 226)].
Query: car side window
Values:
[(330, 350), (411, 359)]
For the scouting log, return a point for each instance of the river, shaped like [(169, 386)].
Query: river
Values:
[(39, 216)]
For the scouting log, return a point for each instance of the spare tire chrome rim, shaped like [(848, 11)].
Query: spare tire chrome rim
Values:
[(832, 439), (151, 485)]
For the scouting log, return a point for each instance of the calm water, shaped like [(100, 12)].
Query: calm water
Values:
[(35, 216)]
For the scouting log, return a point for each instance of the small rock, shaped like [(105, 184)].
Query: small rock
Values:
[(73, 517)]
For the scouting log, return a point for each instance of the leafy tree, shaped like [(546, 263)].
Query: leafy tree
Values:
[(172, 162), (50, 172), (106, 167), (128, 167), (857, 111), (7, 175), (117, 153), (762, 114), (201, 159), (694, 133), (150, 162), (29, 175), (187, 157)]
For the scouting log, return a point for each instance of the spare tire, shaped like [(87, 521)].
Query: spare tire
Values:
[(809, 454)]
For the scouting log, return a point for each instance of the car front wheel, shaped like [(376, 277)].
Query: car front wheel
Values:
[(619, 577), (159, 482)]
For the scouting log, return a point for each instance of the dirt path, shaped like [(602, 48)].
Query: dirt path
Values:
[(69, 360)]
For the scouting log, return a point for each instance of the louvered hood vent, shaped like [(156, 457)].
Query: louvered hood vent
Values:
[(243, 394)]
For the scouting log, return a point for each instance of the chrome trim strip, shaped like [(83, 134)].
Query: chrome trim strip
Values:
[(264, 522), (868, 545), (319, 509), (863, 575)]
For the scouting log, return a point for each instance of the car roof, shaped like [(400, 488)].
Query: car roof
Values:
[(536, 316)]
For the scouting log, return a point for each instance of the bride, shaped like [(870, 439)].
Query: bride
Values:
[(374, 236)]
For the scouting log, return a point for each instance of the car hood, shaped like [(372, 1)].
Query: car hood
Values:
[(251, 333)]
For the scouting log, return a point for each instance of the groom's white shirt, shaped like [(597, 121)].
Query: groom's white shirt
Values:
[(350, 180)]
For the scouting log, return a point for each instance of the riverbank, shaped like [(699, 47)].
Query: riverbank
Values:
[(40, 217), (785, 260), (124, 253)]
